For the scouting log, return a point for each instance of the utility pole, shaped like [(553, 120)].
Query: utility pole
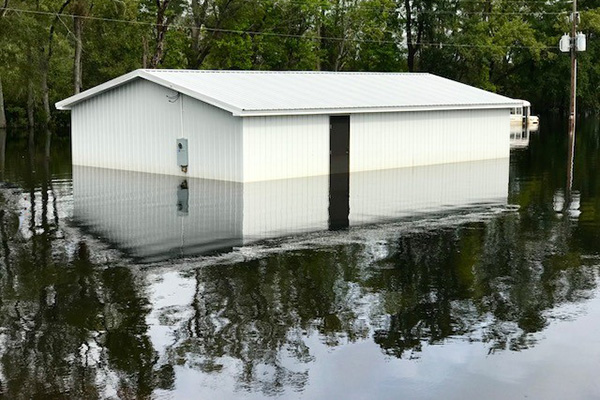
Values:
[(572, 44), (573, 107)]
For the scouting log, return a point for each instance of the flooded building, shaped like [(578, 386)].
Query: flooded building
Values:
[(248, 126)]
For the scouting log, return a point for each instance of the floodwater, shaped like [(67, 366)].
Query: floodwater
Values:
[(466, 281)]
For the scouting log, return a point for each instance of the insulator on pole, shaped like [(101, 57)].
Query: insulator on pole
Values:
[(574, 17)]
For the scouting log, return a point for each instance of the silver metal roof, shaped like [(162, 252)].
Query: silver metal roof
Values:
[(251, 93)]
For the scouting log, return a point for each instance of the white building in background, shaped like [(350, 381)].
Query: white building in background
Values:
[(249, 126)]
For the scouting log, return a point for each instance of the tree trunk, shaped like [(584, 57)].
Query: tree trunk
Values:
[(30, 112), (3, 9), (319, 23), (200, 48), (77, 72), (409, 42), (46, 104), (45, 68), (160, 48), (2, 152), (2, 113), (339, 56), (145, 52), (162, 24), (195, 30)]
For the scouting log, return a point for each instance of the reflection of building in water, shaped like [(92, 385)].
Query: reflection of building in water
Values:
[(380, 196), (145, 214), (519, 137), (153, 217)]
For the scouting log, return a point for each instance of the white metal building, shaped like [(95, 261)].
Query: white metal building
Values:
[(247, 126)]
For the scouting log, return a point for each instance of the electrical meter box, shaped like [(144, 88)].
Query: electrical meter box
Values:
[(182, 153)]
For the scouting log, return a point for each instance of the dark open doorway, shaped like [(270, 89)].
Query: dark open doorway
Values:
[(339, 171), (339, 144)]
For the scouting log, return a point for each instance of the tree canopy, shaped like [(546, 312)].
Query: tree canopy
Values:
[(50, 49)]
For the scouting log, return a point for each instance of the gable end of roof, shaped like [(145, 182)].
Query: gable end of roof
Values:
[(68, 103)]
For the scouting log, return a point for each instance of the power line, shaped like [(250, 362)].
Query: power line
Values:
[(283, 35), (461, 45), (417, 12), (326, 3), (217, 30), (362, 5), (397, 8), (460, 12), (451, 3)]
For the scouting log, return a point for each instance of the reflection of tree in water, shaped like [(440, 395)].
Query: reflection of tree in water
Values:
[(424, 283), (497, 280), (68, 328), (486, 281), (75, 328), (261, 312)]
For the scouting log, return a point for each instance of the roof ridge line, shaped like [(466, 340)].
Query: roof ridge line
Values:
[(268, 72)]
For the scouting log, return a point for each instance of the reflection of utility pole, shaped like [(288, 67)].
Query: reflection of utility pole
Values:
[(570, 167)]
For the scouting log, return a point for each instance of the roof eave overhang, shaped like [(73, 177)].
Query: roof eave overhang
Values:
[(195, 95), (72, 101), (69, 102), (368, 110)]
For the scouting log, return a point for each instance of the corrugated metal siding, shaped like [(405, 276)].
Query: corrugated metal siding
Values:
[(215, 141), (131, 128), (395, 140), (285, 147), (377, 196), (134, 127)]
